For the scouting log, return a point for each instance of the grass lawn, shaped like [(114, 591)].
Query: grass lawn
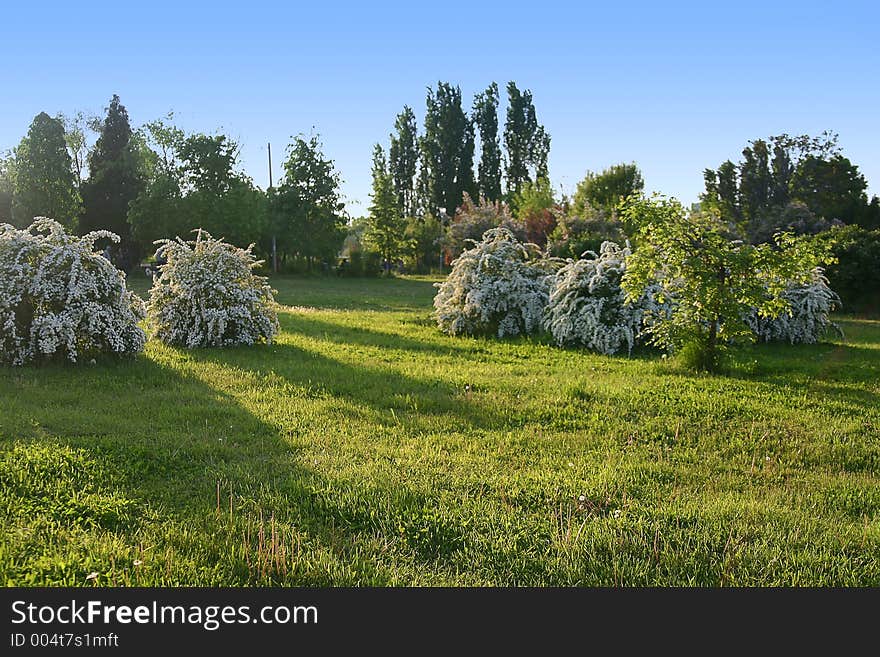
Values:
[(366, 448)]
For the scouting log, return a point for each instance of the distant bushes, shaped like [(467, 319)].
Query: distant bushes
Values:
[(502, 286), (207, 295), (856, 274), (60, 299)]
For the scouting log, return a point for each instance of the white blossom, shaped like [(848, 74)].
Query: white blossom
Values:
[(587, 306), (499, 286), (806, 320), (59, 298), (207, 295)]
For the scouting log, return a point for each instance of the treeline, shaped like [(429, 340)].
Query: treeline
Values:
[(424, 179), (434, 187), (157, 182)]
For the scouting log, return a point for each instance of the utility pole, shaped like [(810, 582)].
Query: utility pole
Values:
[(274, 249)]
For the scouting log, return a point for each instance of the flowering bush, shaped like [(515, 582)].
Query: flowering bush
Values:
[(499, 286), (60, 298), (587, 307), (806, 319), (207, 295)]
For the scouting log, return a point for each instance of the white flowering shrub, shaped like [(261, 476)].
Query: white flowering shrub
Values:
[(807, 319), (587, 307), (497, 287), (61, 299), (207, 295)]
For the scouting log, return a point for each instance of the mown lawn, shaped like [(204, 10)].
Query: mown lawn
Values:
[(365, 448)]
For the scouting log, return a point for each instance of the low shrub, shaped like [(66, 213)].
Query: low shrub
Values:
[(587, 307), (499, 286), (61, 299), (207, 295), (807, 319)]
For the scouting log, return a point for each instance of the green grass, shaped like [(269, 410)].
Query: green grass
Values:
[(366, 448)]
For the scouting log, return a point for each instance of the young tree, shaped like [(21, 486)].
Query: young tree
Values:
[(537, 211), (604, 191), (485, 114), (526, 142), (447, 151), (115, 180), (403, 159), (43, 183), (712, 282), (307, 208), (385, 226)]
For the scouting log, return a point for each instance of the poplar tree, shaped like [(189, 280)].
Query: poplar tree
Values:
[(485, 115), (403, 159), (447, 151), (526, 142)]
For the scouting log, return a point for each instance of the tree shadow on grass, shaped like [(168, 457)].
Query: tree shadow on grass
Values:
[(305, 324), (168, 460)]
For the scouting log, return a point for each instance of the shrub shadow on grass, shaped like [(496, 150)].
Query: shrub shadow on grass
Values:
[(398, 397)]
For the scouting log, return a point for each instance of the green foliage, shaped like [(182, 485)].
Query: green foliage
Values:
[(447, 151), (832, 188), (403, 160), (576, 234), (115, 180), (78, 131), (855, 275), (307, 209), (42, 179), (604, 191), (385, 225), (6, 187), (526, 142), (485, 114), (756, 197), (193, 184), (713, 282), (423, 238), (537, 211)]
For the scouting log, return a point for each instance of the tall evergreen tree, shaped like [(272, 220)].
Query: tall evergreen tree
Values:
[(385, 225), (526, 142), (485, 116), (115, 180), (447, 151), (43, 182), (403, 159)]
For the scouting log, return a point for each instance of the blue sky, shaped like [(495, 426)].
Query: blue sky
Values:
[(675, 87)]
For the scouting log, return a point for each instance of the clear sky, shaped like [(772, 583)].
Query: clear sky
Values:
[(675, 87)]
